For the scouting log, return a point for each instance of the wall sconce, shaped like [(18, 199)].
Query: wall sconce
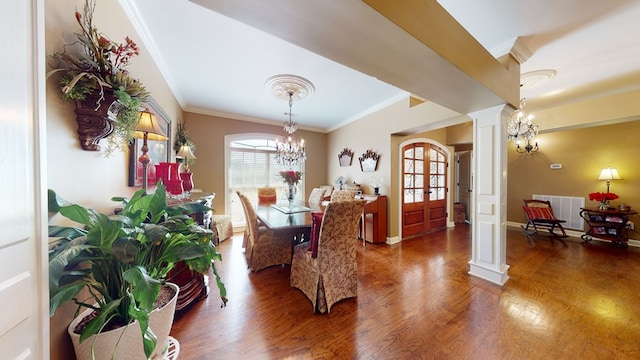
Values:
[(609, 174), (147, 129)]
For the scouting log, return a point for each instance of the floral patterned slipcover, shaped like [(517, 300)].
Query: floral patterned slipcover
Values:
[(333, 274), (263, 248), (343, 195)]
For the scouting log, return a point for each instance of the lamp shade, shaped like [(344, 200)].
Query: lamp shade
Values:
[(185, 152), (148, 124), (609, 173)]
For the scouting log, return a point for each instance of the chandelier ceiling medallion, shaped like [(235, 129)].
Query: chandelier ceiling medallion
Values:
[(522, 130), (289, 150)]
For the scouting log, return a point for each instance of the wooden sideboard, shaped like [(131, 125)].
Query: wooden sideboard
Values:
[(375, 218), (193, 285)]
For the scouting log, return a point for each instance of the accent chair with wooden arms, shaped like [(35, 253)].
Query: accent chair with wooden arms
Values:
[(264, 248), (540, 215), (332, 275)]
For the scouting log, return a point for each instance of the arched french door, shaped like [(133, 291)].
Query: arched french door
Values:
[(424, 188)]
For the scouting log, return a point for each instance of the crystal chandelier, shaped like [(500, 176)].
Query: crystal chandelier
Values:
[(521, 129), (289, 151)]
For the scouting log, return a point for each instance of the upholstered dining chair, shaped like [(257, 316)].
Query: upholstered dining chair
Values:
[(316, 196), (266, 195), (332, 275), (343, 195), (264, 248), (348, 195)]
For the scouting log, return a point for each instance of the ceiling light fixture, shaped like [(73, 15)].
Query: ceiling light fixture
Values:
[(521, 129), (289, 151)]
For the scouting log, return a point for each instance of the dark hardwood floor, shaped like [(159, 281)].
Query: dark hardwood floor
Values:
[(416, 301)]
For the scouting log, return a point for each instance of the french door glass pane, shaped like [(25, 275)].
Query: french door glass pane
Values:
[(419, 181), (408, 153), (420, 152), (408, 196), (408, 181), (419, 166), (408, 166)]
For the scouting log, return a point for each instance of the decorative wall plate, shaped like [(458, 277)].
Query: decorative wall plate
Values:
[(369, 161), (345, 157)]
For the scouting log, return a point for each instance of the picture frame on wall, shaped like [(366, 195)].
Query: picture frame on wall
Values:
[(369, 161), (159, 151), (345, 157)]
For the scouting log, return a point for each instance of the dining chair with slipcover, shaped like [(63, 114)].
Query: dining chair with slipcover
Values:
[(264, 248), (331, 275), (316, 196), (266, 195), (343, 195)]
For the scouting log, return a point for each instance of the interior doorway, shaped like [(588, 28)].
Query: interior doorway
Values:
[(464, 182)]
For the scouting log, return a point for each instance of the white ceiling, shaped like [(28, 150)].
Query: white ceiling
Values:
[(217, 65)]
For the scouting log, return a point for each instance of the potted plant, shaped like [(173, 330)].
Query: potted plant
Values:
[(93, 73), (120, 262)]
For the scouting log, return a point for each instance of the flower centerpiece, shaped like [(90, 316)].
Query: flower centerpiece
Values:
[(603, 198), (291, 178), (93, 73)]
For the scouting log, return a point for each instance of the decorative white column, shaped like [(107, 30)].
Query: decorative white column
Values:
[(489, 228)]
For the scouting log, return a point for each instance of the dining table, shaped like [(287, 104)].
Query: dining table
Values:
[(293, 221)]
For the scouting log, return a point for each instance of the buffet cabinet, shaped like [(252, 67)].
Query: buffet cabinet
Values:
[(375, 218), (193, 285)]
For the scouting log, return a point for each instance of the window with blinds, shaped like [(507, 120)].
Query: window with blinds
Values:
[(251, 165)]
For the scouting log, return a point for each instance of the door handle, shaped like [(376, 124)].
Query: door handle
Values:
[(469, 190), (428, 192)]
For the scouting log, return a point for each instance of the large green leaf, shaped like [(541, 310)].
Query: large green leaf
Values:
[(126, 249), (60, 297), (77, 213), (145, 288), (149, 338), (95, 325), (58, 264)]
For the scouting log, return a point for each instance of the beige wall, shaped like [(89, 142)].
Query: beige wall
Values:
[(582, 153), (208, 134), (88, 176), (373, 132), (80, 176)]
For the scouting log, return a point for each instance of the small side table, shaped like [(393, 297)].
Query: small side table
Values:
[(607, 225)]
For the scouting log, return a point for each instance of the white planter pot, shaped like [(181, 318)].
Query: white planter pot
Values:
[(127, 345)]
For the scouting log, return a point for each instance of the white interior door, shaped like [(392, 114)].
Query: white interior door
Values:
[(24, 324)]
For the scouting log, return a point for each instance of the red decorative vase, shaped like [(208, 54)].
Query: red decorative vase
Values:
[(175, 186), (162, 172), (187, 182), (173, 171)]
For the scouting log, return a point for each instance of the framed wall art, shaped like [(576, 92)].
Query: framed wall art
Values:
[(159, 151), (345, 157), (369, 161)]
